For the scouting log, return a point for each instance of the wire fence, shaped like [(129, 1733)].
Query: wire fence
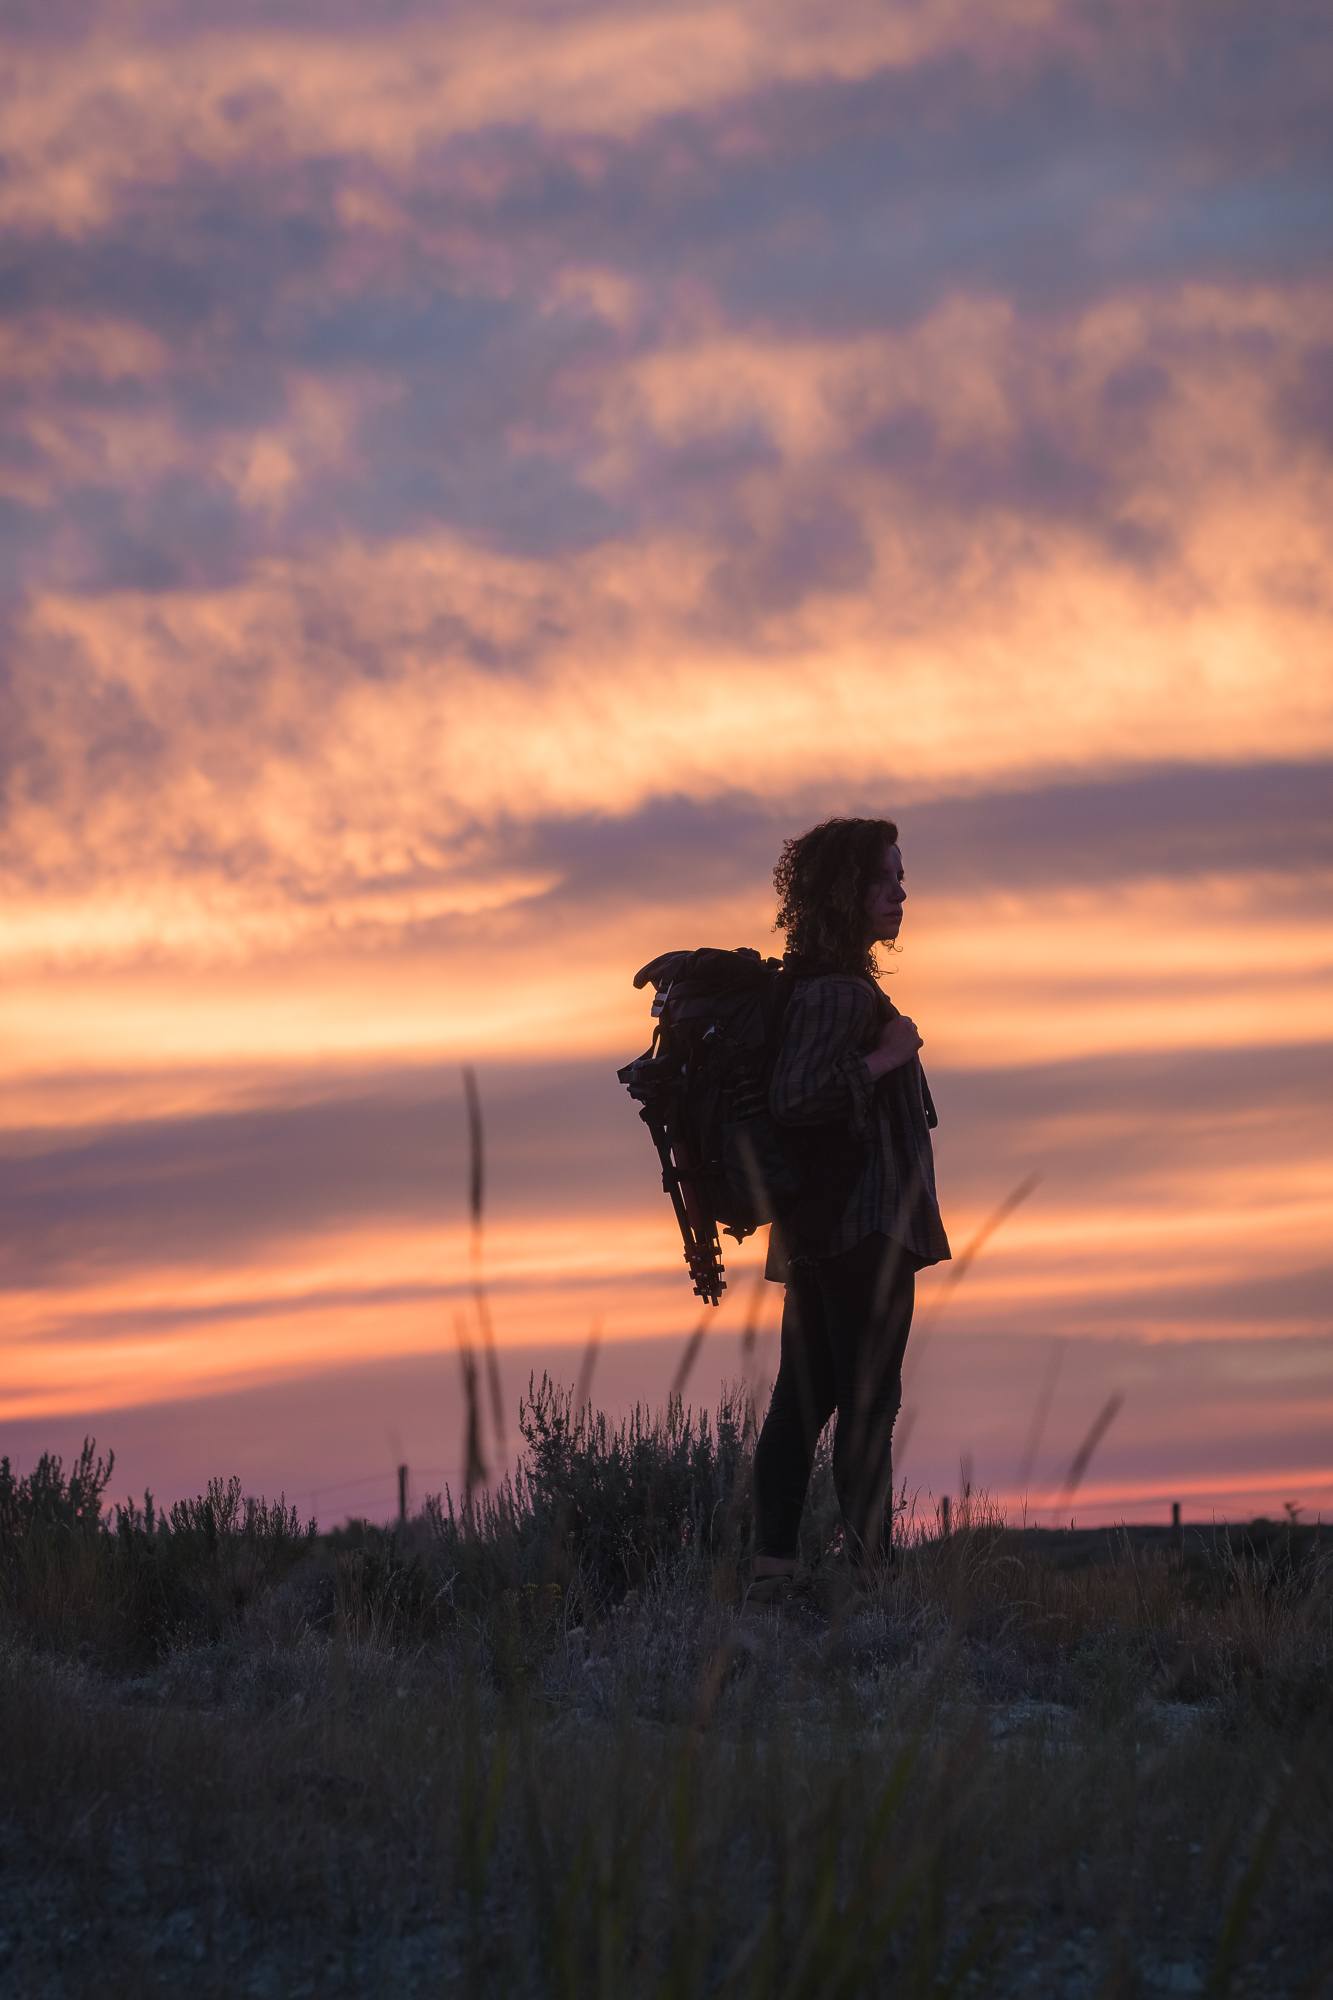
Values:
[(388, 1480)]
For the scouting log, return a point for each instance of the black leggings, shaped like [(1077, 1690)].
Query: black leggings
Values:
[(845, 1322)]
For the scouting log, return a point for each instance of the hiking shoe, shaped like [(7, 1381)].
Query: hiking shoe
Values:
[(779, 1593)]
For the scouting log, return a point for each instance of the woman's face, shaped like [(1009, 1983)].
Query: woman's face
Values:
[(885, 898)]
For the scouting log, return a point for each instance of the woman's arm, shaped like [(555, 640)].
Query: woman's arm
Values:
[(898, 1043), (821, 1077)]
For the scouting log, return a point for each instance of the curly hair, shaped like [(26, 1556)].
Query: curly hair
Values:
[(822, 880)]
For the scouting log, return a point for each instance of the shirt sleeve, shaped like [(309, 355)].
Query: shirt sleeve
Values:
[(820, 1076)]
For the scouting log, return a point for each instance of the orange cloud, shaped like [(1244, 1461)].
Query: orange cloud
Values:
[(365, 739)]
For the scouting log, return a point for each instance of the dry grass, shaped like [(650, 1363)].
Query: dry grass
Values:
[(476, 1761)]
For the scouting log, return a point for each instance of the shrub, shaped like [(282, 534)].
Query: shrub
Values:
[(600, 1509), (124, 1591)]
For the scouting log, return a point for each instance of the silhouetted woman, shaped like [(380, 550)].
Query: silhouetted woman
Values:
[(848, 1076)]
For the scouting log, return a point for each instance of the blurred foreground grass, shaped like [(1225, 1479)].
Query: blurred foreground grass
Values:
[(533, 1747)]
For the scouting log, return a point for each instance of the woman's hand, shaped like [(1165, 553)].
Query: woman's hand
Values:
[(898, 1042)]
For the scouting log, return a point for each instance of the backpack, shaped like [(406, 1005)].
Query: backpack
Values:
[(703, 1088)]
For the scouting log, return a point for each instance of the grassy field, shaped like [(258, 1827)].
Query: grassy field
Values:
[(533, 1746)]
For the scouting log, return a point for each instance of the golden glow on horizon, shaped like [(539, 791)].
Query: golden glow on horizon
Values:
[(1141, 965), (276, 1340), (1266, 1489), (283, 1315)]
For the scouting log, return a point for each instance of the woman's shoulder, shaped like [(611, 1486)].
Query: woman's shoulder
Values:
[(852, 992)]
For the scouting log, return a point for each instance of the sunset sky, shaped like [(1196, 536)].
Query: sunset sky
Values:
[(474, 478)]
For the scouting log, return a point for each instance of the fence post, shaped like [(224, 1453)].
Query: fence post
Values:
[(1177, 1533), (402, 1499), (944, 1515)]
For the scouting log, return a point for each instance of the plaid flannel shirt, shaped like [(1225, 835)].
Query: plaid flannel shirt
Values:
[(821, 1079)]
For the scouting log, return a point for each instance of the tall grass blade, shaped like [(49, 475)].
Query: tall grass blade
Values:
[(1082, 1458), (753, 1311), (1244, 1895), (957, 1269), (1041, 1411), (474, 1465), (583, 1387), (690, 1355), (476, 1205)]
